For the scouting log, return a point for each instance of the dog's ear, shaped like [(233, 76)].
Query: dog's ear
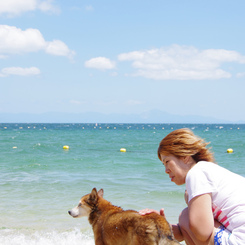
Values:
[(101, 192), (93, 195)]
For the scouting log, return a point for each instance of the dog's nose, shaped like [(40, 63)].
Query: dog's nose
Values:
[(69, 212)]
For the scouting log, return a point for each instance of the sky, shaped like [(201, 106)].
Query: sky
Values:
[(129, 57)]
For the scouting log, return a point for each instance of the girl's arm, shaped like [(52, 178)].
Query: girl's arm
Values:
[(177, 233), (201, 220)]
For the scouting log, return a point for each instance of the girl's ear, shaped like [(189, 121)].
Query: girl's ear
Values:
[(186, 159)]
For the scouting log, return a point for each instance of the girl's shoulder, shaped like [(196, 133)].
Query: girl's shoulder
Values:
[(205, 166), (204, 170), (213, 170)]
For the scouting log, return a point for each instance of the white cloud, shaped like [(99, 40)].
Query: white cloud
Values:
[(16, 7), (13, 40), (100, 63), (59, 48), (19, 71), (181, 63)]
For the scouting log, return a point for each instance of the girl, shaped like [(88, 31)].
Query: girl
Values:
[(215, 196)]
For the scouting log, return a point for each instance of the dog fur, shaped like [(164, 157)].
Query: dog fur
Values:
[(114, 226)]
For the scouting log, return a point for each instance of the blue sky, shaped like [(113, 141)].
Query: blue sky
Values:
[(181, 57)]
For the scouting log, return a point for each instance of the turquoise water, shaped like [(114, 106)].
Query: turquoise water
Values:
[(40, 181)]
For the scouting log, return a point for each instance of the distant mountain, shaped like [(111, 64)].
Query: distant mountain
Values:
[(154, 116)]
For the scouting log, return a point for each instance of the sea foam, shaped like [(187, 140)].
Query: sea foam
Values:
[(74, 237)]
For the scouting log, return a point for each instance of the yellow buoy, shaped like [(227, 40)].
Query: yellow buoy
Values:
[(229, 150), (122, 150), (66, 147), (14, 147)]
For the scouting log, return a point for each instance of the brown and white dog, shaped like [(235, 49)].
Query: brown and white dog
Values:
[(114, 226)]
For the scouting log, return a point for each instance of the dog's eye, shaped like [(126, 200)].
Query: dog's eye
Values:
[(79, 205)]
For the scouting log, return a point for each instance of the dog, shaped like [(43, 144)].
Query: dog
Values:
[(114, 226)]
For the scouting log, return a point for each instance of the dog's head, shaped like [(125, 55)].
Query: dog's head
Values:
[(86, 204)]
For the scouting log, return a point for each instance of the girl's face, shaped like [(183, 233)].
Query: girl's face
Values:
[(176, 168)]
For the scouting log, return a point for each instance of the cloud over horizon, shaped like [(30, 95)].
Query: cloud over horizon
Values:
[(100, 63), (19, 71), (181, 63), (14, 40)]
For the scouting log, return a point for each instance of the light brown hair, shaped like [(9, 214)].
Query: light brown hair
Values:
[(183, 142)]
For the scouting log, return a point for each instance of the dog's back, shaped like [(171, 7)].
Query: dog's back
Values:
[(130, 228), (114, 226)]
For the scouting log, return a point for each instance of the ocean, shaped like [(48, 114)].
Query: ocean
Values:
[(40, 181)]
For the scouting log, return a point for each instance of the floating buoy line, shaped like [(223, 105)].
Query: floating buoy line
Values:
[(115, 126), (21, 127)]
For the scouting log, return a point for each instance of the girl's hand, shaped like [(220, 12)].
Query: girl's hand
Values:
[(162, 212), (149, 211)]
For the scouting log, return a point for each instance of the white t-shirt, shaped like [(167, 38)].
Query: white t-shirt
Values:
[(228, 195)]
